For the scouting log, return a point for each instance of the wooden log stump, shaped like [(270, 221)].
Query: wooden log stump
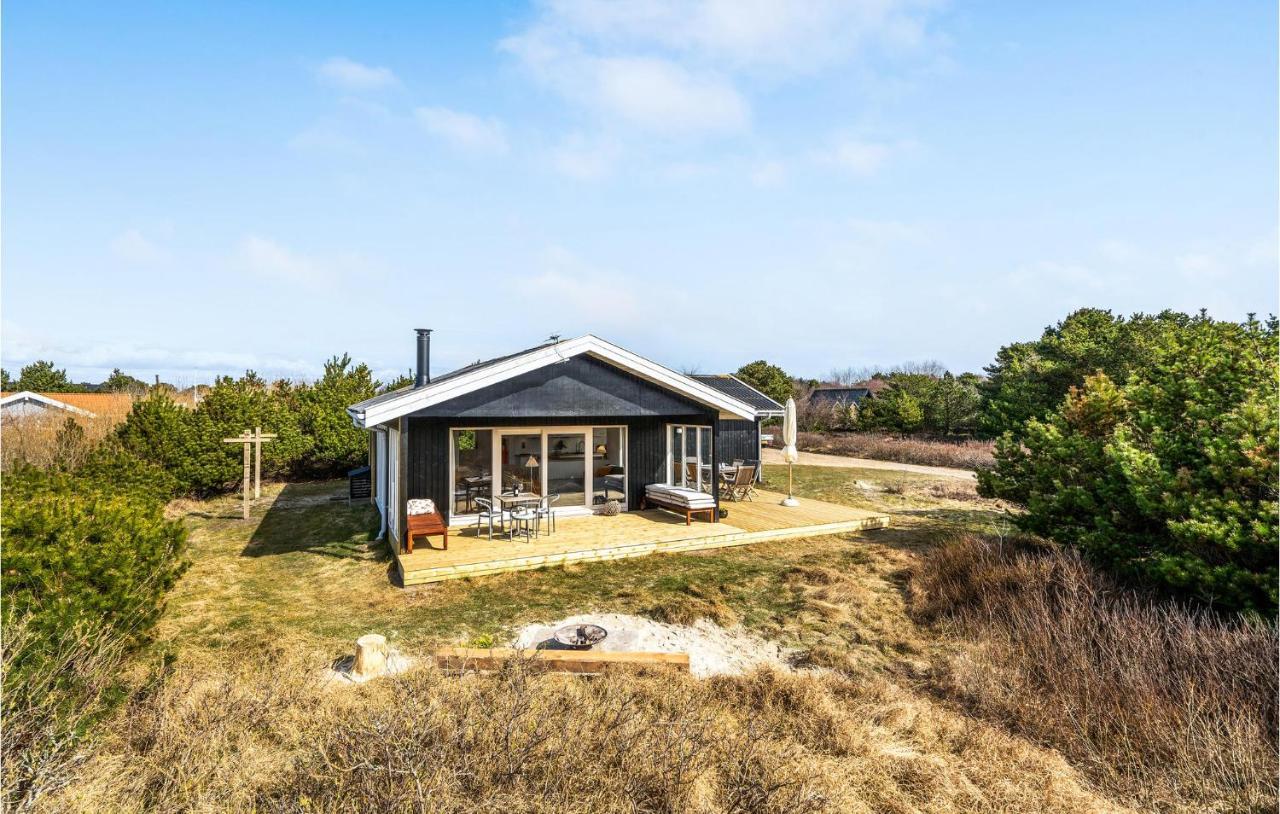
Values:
[(371, 656)]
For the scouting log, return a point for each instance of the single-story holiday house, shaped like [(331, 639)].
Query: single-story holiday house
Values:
[(853, 395), (26, 403), (580, 418)]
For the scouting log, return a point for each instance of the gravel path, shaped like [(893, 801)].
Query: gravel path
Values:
[(774, 456)]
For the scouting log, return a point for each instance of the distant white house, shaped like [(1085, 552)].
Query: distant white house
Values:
[(27, 403)]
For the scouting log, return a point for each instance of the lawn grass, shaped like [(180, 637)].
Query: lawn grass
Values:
[(306, 569)]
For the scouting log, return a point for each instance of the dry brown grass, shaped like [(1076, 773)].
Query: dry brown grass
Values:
[(263, 736), (46, 711), (41, 441), (881, 447), (1170, 708), (240, 723)]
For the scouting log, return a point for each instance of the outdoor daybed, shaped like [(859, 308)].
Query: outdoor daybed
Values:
[(680, 499)]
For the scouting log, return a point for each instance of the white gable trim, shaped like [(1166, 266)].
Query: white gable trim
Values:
[(27, 395), (422, 397)]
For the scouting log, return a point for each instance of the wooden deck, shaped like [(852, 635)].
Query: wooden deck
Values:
[(631, 534)]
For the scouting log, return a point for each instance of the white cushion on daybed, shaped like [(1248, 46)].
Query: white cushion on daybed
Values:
[(421, 505), (680, 495)]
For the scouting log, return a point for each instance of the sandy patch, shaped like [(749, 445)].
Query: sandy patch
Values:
[(712, 650)]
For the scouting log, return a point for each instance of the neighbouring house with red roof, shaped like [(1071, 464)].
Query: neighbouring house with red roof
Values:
[(29, 404)]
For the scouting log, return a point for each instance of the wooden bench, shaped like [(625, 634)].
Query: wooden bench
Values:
[(585, 662), (677, 506), (422, 525)]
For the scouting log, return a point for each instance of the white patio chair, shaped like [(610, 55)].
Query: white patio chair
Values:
[(545, 510), (486, 513)]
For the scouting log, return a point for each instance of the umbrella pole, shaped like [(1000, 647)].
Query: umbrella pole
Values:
[(791, 499)]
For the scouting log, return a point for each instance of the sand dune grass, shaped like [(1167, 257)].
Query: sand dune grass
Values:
[(1172, 708), (222, 738)]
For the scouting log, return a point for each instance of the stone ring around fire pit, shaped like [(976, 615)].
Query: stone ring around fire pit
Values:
[(579, 637)]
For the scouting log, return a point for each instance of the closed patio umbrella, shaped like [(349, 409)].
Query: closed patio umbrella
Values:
[(789, 453)]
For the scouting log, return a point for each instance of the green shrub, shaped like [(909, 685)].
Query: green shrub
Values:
[(769, 379), (77, 548), (314, 435), (182, 442), (923, 402), (1171, 477), (335, 445), (1030, 379), (235, 405)]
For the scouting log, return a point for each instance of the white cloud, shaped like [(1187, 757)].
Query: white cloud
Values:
[(347, 74), (134, 247), (565, 285), (676, 67), (94, 360), (270, 259), (662, 97), (463, 130), (769, 174), (774, 35), (585, 160), (857, 156)]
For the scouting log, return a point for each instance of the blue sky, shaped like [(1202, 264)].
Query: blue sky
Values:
[(196, 189)]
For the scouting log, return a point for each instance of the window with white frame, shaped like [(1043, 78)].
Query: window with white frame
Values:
[(689, 456)]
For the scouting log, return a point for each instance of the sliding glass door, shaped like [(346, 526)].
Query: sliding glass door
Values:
[(567, 460), (689, 457), (521, 460), (585, 466), (608, 465)]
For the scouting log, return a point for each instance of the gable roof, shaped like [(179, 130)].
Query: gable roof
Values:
[(467, 379), (840, 395), (731, 385)]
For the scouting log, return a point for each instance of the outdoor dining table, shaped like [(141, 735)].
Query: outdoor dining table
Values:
[(522, 523), (725, 469)]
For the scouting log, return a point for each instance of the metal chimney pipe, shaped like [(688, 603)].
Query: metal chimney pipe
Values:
[(424, 357)]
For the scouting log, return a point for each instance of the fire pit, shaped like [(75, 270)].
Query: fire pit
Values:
[(580, 637)]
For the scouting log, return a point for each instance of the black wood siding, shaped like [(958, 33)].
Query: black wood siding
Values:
[(579, 388), (739, 439)]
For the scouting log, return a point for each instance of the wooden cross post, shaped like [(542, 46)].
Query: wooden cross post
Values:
[(255, 439), (246, 439)]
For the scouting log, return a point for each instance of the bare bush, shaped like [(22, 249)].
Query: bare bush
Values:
[(52, 437), (1172, 708), (959, 454), (263, 734), (53, 690)]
